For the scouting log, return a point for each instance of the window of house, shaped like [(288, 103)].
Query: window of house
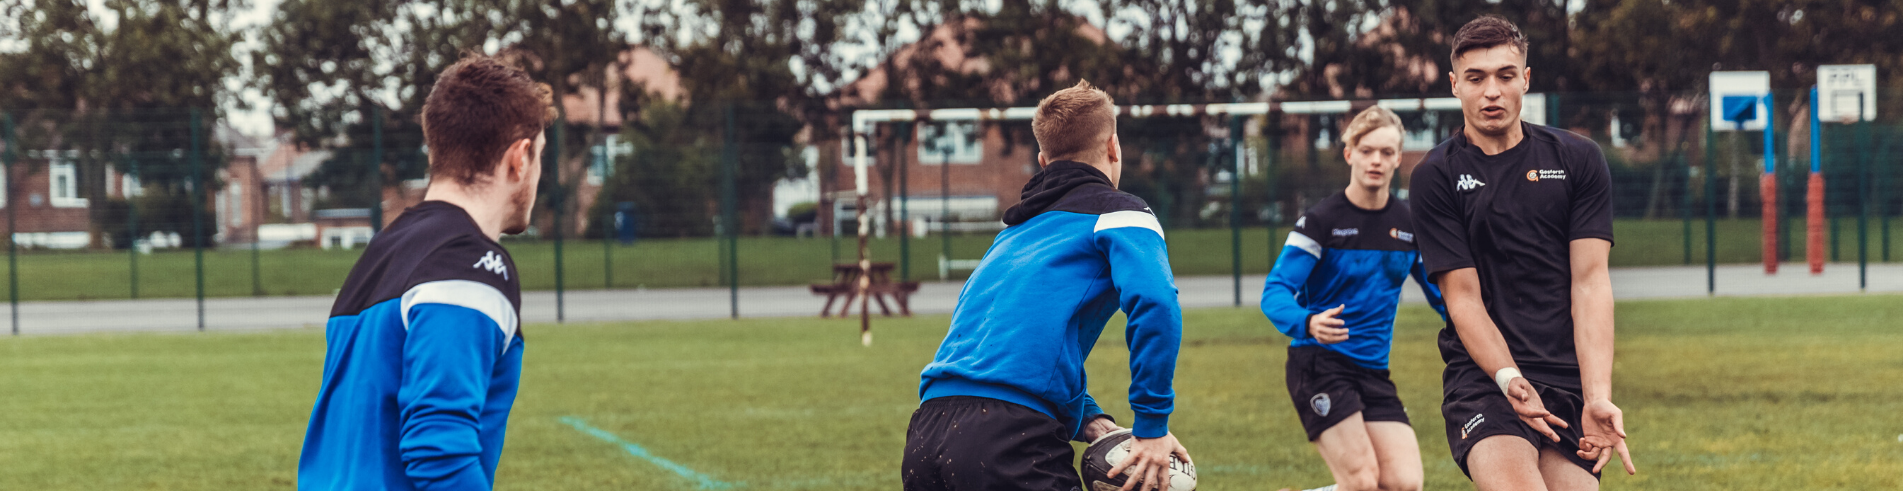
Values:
[(236, 210), (63, 181), (129, 186), (957, 142)]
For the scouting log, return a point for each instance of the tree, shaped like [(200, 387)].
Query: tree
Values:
[(767, 62), (331, 67), (122, 90)]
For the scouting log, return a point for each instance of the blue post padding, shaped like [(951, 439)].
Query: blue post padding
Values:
[(1770, 138), (1816, 135)]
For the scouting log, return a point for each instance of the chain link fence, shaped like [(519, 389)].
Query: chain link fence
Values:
[(106, 206)]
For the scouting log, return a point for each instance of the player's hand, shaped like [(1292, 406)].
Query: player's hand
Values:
[(1149, 463), (1604, 428), (1326, 328), (1526, 403), (1098, 427)]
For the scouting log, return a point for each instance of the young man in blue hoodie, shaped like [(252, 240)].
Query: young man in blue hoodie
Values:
[(422, 356), (1004, 396)]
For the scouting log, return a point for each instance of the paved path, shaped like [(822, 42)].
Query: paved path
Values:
[(226, 314)]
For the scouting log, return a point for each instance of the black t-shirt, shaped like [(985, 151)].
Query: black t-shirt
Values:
[(1512, 218)]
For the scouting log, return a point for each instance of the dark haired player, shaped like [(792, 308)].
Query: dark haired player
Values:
[(1335, 289), (422, 350), (1004, 396), (1515, 225)]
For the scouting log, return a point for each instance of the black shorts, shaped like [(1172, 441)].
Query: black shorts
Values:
[(974, 443), (1476, 409), (1328, 387)]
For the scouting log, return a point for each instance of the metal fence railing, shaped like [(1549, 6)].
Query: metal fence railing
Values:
[(174, 204)]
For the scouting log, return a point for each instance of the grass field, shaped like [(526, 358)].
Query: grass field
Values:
[(1736, 393), (672, 263)]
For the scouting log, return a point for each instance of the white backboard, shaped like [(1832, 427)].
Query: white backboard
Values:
[(1753, 84), (1838, 91), (1533, 109)]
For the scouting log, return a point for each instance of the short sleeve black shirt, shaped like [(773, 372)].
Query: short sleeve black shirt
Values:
[(1512, 217)]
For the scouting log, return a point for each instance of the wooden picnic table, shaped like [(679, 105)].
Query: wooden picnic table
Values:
[(845, 284)]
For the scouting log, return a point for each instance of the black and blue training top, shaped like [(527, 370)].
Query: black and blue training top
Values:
[(1339, 254), (421, 361), (1074, 252)]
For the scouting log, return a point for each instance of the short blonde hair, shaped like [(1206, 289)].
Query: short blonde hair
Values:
[(1370, 119), (1074, 122)]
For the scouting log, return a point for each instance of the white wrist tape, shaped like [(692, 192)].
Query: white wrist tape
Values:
[(1505, 376)]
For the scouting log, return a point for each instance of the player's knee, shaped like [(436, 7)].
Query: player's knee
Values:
[(1397, 481), (1363, 478)]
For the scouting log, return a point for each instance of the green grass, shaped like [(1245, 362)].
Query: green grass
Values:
[(673, 263), (1730, 393)]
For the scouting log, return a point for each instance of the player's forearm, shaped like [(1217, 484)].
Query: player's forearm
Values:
[(1592, 317), (1476, 329), (1278, 293), (1155, 335)]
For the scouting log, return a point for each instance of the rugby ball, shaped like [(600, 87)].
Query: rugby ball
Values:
[(1110, 449)]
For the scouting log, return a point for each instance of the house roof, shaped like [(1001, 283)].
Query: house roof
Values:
[(637, 64), (947, 51)]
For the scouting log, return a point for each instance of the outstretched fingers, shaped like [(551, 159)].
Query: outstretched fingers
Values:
[(1625, 456)]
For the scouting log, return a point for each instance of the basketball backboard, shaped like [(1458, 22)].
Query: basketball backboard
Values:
[(1846, 93), (1745, 91)]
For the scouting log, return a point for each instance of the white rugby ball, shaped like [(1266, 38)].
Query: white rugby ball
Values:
[(1110, 449)]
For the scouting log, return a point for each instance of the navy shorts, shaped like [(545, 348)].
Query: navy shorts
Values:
[(1328, 387)]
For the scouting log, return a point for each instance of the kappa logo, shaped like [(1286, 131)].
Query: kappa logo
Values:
[(1468, 183), (494, 264), (1477, 420), (1320, 403), (1299, 222), (1346, 232), (1401, 236), (1545, 174)]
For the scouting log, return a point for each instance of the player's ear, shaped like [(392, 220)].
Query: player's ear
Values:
[(1113, 151), (515, 161), (1043, 160), (1526, 80)]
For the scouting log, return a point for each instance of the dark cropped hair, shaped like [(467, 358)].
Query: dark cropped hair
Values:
[(1486, 32), (478, 107)]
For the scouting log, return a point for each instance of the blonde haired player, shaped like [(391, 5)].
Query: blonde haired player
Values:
[(1334, 290)]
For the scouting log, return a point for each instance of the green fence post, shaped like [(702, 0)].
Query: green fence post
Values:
[(13, 263), (607, 253), (132, 226), (198, 220), (729, 219), (1268, 195), (554, 148), (1235, 207), (1711, 218), (1863, 199)]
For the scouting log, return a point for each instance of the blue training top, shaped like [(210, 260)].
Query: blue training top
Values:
[(1075, 251), (421, 361), (1339, 254)]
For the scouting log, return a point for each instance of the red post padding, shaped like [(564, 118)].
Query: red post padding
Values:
[(1814, 223), (1767, 188)]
